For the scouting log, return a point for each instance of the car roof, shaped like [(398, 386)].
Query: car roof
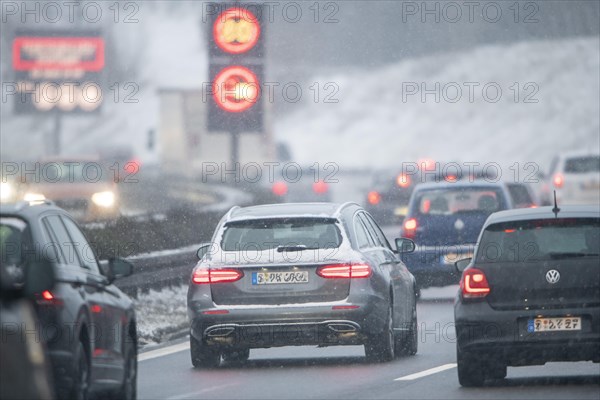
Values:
[(459, 184), (578, 153), (27, 210), (567, 211), (291, 210)]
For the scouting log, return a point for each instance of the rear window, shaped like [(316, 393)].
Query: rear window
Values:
[(581, 165), (533, 240), (264, 234), (460, 200)]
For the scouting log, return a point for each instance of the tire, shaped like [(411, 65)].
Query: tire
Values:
[(380, 347), (236, 356), (128, 390), (407, 343), (202, 355), (81, 371)]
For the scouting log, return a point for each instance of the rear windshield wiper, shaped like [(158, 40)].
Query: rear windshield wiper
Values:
[(572, 255), (298, 247)]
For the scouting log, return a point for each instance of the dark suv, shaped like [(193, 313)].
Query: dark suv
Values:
[(86, 323)]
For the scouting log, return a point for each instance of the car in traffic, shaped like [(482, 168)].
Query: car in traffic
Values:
[(88, 325), (300, 274), (24, 365), (522, 194), (444, 221), (292, 183), (531, 292), (575, 177), (84, 186)]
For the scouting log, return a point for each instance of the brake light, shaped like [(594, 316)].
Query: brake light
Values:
[(205, 275), (48, 298), (320, 187), (280, 188), (374, 198), (474, 284), (558, 181), (410, 228), (403, 180), (345, 271)]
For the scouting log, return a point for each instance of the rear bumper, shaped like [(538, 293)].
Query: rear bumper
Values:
[(504, 335), (273, 326), (434, 266)]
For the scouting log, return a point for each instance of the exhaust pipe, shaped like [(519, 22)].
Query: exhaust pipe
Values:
[(342, 327)]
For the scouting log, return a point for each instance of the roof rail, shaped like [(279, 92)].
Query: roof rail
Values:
[(344, 205), (231, 210)]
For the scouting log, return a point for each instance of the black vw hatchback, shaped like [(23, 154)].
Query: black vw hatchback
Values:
[(531, 294)]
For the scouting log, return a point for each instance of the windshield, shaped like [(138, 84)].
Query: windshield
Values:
[(284, 234), (526, 241)]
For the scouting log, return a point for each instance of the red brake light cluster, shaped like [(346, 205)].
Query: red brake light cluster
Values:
[(410, 228), (345, 271), (48, 298), (205, 275), (474, 284), (320, 187), (403, 180), (558, 181), (374, 198), (280, 188)]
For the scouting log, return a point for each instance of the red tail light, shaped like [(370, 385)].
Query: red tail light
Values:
[(410, 228), (205, 275), (345, 271), (558, 181), (403, 180), (474, 284), (48, 298), (320, 187), (374, 198), (280, 188)]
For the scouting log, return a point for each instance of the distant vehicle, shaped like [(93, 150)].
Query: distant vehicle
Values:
[(535, 281), (388, 197), (300, 274), (575, 176), (291, 183), (522, 195), (84, 186), (25, 371), (444, 220), (89, 325)]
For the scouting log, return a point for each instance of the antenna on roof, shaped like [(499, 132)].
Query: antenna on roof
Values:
[(555, 210)]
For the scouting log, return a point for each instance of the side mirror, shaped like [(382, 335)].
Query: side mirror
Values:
[(204, 247), (404, 245), (118, 268), (461, 265)]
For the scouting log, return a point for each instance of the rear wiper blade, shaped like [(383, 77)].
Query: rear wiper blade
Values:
[(298, 247), (572, 254)]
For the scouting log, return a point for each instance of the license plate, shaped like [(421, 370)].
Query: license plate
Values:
[(554, 324), (273, 278), (451, 258)]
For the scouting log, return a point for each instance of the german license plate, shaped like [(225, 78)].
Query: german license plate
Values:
[(554, 324), (272, 278)]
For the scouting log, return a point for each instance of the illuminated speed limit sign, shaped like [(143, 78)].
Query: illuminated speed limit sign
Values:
[(236, 30)]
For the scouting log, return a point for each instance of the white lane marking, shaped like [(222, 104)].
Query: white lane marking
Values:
[(165, 351), (194, 395), (427, 372)]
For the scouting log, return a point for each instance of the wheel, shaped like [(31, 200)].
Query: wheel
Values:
[(407, 343), (236, 356), (128, 390), (81, 370), (202, 355), (380, 347)]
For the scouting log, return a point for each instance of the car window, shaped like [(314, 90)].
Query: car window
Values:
[(520, 194), (540, 240), (375, 231), (82, 247), (264, 234), (61, 240), (582, 165), (363, 238), (460, 200), (15, 244)]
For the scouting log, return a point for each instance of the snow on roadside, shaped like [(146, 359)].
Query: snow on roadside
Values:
[(161, 313)]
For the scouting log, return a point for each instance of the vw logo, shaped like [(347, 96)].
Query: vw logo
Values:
[(552, 276)]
